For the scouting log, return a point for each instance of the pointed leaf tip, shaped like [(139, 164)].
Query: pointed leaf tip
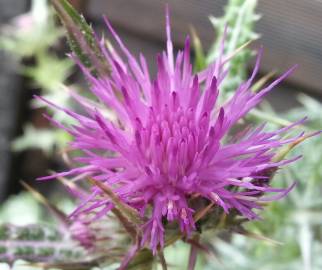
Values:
[(82, 39)]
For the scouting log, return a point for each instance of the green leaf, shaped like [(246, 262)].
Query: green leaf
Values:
[(81, 38)]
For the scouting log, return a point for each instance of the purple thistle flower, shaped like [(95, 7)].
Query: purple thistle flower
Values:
[(169, 140)]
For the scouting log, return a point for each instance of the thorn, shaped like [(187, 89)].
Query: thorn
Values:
[(60, 216), (238, 50), (281, 154), (131, 213), (201, 213), (244, 232), (262, 81)]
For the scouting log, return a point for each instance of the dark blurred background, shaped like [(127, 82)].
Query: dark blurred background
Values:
[(291, 32)]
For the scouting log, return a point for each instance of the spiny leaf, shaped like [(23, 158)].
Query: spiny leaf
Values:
[(37, 243), (81, 38)]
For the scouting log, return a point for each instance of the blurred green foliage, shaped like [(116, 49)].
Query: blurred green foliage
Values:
[(20, 209), (34, 36), (30, 33)]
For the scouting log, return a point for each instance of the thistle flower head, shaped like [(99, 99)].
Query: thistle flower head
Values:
[(168, 141)]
